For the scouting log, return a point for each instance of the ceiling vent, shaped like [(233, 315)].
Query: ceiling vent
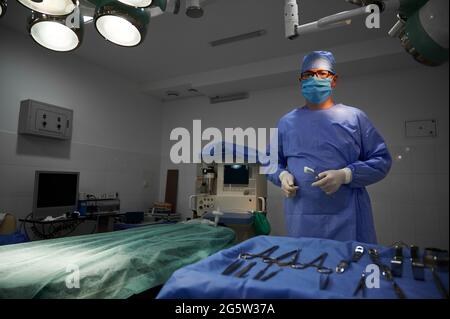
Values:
[(237, 38), (228, 98)]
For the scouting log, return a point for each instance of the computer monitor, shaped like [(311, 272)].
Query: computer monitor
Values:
[(236, 174), (55, 193)]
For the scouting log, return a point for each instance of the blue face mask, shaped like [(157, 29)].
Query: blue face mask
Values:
[(316, 90)]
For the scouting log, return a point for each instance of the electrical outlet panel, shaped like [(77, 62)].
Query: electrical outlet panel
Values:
[(42, 119)]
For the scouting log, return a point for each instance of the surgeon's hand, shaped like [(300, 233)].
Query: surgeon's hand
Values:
[(331, 181), (287, 184)]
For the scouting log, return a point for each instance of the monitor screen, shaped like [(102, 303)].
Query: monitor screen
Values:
[(55, 190), (236, 174)]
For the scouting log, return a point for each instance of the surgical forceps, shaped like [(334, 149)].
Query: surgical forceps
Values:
[(265, 254), (294, 253), (320, 268)]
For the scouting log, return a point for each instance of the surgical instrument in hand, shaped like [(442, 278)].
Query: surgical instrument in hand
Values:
[(308, 170)]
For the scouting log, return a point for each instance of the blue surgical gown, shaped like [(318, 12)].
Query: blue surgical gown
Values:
[(330, 139)]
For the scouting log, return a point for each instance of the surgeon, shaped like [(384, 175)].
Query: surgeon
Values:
[(327, 154)]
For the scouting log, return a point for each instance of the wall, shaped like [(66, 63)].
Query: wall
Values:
[(411, 204), (116, 134)]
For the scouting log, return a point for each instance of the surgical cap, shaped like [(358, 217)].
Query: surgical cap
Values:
[(319, 60)]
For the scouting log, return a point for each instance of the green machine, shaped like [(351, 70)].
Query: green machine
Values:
[(423, 30)]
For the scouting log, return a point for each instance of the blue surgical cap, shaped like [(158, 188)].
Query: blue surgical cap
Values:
[(319, 60)]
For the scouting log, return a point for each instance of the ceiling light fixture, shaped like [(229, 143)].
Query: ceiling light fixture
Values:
[(3, 6), (50, 7), (121, 24), (55, 33)]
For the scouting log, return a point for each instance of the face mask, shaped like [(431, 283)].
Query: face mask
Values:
[(316, 90)]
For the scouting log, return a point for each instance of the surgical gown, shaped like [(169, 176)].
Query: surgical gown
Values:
[(331, 139)]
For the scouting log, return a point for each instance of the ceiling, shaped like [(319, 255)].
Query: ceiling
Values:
[(177, 45)]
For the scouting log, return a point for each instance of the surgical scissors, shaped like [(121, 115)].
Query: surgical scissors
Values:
[(320, 268)]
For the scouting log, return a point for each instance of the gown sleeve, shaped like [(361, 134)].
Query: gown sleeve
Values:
[(375, 161)]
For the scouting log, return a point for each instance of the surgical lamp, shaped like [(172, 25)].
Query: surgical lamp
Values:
[(56, 33), (422, 25), (50, 7), (3, 7), (121, 24), (422, 28)]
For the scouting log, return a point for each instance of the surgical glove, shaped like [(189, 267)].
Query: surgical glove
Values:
[(331, 181), (287, 184)]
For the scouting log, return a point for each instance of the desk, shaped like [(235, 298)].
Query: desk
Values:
[(205, 280)]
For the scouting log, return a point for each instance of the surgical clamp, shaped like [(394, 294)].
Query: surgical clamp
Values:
[(320, 268), (264, 254), (262, 272), (272, 274), (233, 267), (386, 272), (245, 270), (343, 264), (293, 253)]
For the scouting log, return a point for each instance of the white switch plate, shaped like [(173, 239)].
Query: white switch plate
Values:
[(421, 128)]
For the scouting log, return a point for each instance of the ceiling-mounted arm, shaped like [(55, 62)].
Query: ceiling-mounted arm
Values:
[(160, 7), (293, 29)]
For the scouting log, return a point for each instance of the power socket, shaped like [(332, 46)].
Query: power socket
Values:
[(37, 118)]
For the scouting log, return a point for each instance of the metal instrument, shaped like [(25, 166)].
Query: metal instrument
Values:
[(361, 286), (344, 264), (243, 272), (397, 262), (233, 267), (271, 275), (263, 254), (278, 259), (417, 265), (386, 272), (316, 263)]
